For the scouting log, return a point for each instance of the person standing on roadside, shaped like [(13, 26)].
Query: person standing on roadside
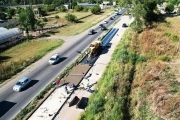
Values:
[(58, 82)]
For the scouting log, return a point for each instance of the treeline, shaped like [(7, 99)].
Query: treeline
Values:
[(56, 2), (146, 12)]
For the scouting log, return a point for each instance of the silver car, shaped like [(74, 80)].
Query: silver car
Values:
[(54, 59), (21, 84)]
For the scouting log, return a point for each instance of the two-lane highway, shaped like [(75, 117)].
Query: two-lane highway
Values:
[(12, 102)]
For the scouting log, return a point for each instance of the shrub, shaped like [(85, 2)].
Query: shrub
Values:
[(45, 19), (79, 8), (57, 16), (70, 17), (168, 24), (62, 9), (167, 34), (164, 58), (140, 59), (96, 9), (85, 9), (175, 38), (169, 8), (50, 8)]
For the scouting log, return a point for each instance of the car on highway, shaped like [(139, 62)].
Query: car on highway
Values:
[(105, 22), (103, 27), (21, 84), (91, 32), (54, 59), (124, 25), (111, 18)]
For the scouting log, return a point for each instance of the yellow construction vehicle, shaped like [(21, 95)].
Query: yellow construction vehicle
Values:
[(94, 48)]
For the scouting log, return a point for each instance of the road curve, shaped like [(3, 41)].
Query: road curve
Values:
[(12, 102)]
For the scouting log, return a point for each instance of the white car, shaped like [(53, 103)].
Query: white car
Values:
[(105, 22), (54, 59), (21, 84)]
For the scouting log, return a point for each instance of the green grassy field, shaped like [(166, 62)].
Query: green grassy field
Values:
[(20, 56)]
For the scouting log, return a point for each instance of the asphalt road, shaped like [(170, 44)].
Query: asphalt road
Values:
[(12, 102)]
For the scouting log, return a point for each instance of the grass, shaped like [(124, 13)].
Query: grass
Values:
[(148, 78), (13, 61), (82, 24), (77, 14)]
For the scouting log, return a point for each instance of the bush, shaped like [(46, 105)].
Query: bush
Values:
[(85, 9), (70, 17), (57, 16), (50, 8), (45, 19), (140, 59), (164, 58), (79, 8), (175, 38), (169, 8), (62, 9), (96, 9), (167, 34), (3, 15)]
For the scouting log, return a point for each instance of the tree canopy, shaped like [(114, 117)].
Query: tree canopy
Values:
[(27, 20), (143, 11)]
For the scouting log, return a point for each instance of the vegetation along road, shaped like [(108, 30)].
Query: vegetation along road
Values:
[(13, 102)]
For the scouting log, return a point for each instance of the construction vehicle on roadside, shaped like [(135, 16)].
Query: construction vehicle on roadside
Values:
[(94, 48)]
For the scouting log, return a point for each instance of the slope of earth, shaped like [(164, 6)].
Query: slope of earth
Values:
[(142, 80)]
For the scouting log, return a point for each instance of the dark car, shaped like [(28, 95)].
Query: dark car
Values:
[(101, 25), (111, 18), (124, 25), (103, 28), (91, 32)]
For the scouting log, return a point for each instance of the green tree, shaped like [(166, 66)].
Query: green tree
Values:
[(96, 9), (143, 11), (3, 15), (27, 20), (39, 25), (18, 10), (62, 9), (169, 8), (70, 17), (79, 8), (10, 12)]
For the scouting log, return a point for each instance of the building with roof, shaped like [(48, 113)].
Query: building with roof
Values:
[(86, 4), (9, 35)]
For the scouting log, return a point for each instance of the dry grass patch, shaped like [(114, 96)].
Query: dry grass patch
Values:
[(172, 25), (155, 43), (156, 85)]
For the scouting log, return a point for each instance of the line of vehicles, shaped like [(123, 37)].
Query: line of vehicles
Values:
[(93, 50)]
